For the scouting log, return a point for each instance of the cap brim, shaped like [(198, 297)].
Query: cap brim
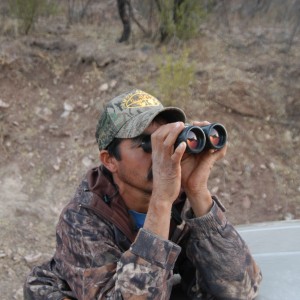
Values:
[(137, 125)]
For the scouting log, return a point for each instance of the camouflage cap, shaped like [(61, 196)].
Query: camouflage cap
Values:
[(129, 114)]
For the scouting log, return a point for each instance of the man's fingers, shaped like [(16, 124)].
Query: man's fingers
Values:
[(179, 151), (167, 134)]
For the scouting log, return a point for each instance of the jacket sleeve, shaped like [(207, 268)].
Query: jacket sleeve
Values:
[(94, 267), (223, 264)]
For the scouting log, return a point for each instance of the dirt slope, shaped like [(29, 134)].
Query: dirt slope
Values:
[(53, 84)]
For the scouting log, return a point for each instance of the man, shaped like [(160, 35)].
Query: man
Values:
[(144, 225)]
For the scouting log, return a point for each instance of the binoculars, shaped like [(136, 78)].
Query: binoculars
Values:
[(197, 139)]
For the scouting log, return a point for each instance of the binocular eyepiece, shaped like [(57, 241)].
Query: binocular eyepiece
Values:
[(197, 139)]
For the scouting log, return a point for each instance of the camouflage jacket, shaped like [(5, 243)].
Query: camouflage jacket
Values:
[(100, 254)]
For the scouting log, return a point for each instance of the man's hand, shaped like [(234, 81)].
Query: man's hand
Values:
[(166, 170), (173, 169), (166, 161), (195, 172)]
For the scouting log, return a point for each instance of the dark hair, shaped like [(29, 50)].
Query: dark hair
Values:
[(113, 148)]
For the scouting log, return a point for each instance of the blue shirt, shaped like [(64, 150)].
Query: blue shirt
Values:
[(139, 218)]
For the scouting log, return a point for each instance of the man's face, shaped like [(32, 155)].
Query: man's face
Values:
[(134, 170)]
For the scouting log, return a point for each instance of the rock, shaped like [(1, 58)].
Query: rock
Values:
[(103, 87), (87, 162), (217, 180), (68, 106), (32, 258), (272, 166), (268, 136), (65, 114), (288, 216), (113, 83), (2, 254), (56, 167), (3, 104)]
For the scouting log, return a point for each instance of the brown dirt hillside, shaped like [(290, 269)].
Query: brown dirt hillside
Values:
[(54, 81)]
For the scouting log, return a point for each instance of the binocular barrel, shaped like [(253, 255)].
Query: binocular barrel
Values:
[(197, 139)]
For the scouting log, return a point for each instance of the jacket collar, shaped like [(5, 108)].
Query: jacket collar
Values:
[(107, 201)]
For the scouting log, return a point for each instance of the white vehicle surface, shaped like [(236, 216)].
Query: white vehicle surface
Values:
[(276, 248)]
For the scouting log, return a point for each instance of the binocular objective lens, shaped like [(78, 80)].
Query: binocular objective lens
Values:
[(192, 140), (214, 137)]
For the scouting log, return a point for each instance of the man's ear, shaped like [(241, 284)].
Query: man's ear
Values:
[(108, 161)]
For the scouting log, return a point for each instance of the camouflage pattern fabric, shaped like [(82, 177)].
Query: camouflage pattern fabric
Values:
[(99, 254), (129, 114)]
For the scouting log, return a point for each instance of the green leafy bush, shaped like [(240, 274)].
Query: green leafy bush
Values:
[(176, 75), (181, 20)]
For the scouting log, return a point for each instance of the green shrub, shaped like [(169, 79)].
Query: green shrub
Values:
[(28, 11), (182, 20), (189, 16), (176, 75)]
